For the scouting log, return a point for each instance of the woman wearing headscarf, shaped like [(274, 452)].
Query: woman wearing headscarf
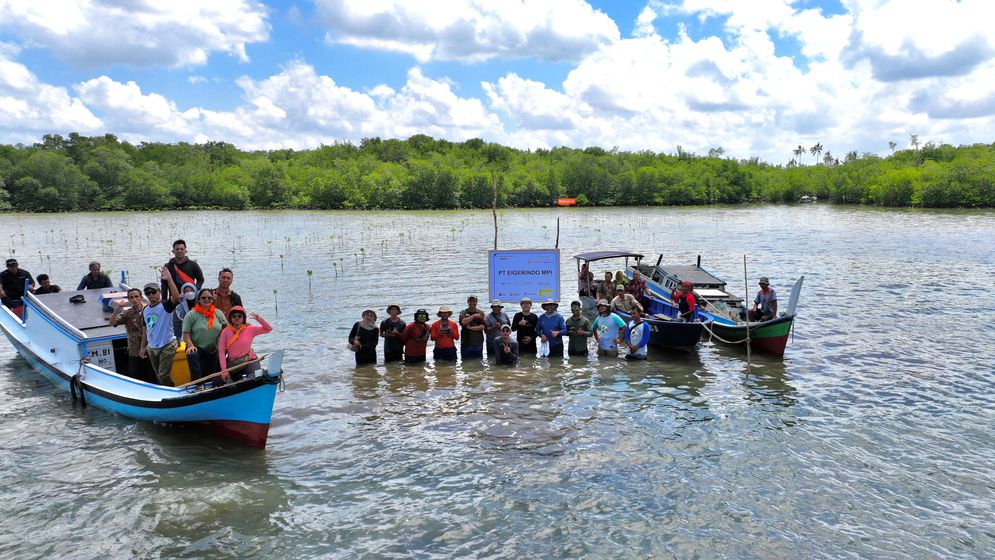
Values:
[(201, 330), (235, 343), (363, 338), (188, 297)]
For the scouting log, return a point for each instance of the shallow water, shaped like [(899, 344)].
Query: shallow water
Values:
[(874, 436)]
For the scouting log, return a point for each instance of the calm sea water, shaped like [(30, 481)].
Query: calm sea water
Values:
[(873, 437)]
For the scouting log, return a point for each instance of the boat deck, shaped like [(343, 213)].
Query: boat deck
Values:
[(89, 317)]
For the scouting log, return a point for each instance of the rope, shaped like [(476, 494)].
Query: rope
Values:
[(720, 339), (74, 383)]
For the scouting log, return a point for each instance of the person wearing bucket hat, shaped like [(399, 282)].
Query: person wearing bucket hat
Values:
[(494, 320), (550, 328), (235, 344), (578, 329), (686, 301), (607, 328), (390, 330), (363, 338), (524, 326), (444, 333), (473, 324), (415, 338), (765, 304)]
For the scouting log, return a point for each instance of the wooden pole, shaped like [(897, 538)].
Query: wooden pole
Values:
[(746, 303), (557, 232), (218, 374)]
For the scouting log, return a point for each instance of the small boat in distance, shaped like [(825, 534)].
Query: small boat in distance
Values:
[(72, 344), (808, 199)]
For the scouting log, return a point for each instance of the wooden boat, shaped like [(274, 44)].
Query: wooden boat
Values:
[(74, 347), (728, 313), (665, 330), (807, 199)]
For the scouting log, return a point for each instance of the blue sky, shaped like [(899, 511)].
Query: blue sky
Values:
[(755, 78)]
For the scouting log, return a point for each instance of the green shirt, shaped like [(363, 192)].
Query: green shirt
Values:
[(196, 324), (578, 342)]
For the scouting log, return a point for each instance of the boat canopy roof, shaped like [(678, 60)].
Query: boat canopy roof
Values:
[(601, 255)]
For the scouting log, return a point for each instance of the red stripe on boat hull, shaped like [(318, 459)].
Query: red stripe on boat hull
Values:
[(774, 345), (251, 433)]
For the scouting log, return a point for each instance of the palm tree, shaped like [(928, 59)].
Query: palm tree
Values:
[(892, 146), (850, 156), (914, 140), (828, 158), (798, 153), (816, 151)]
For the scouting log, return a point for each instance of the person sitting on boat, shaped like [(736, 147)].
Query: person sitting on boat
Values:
[(687, 304), (160, 342), (134, 324), (94, 280), (473, 324), (188, 297), (390, 330), (585, 281), (363, 338), (524, 327), (235, 344), (415, 338), (444, 333), (621, 278), (637, 287), (765, 304), (607, 327), (578, 329), (637, 335), (12, 286), (201, 331), (550, 328), (493, 322), (606, 290), (506, 349), (625, 302), (45, 286)]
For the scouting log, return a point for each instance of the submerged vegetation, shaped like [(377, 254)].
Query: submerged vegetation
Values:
[(104, 173)]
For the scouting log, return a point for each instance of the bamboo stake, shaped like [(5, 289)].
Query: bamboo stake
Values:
[(746, 287)]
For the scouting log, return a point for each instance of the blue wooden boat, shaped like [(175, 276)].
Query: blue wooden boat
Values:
[(75, 348)]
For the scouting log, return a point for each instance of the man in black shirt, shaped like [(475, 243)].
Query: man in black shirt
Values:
[(12, 284), (524, 324), (95, 279), (182, 269), (45, 286)]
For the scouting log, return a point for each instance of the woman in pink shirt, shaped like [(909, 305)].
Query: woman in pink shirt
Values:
[(235, 344)]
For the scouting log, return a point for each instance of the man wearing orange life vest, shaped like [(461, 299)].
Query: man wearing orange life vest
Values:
[(182, 269)]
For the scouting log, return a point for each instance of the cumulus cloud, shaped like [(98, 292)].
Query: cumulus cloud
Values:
[(93, 33), (470, 30)]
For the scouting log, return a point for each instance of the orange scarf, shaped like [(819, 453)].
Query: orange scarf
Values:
[(237, 332), (209, 313)]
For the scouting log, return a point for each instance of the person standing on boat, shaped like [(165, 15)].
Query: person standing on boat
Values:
[(45, 286), (606, 290), (188, 296), (506, 349), (524, 325), (159, 343), (637, 336), (473, 323), (415, 338), (625, 302), (585, 281), (183, 269), (363, 338), (579, 329), (494, 320), (134, 324), (224, 297), (390, 330), (94, 280), (235, 343), (765, 304), (444, 333), (687, 304), (12, 286), (201, 331), (607, 327), (550, 328)]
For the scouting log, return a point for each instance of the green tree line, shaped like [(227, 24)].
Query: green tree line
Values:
[(105, 173)]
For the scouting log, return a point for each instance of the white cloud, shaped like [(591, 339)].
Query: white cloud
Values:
[(92, 33), (29, 108), (470, 30)]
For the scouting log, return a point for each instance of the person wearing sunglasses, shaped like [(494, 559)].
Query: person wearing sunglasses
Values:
[(159, 343), (201, 330)]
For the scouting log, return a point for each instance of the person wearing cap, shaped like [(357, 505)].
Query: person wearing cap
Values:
[(607, 326), (765, 304), (235, 344), (636, 337), (686, 301), (390, 330), (524, 326), (415, 338), (493, 322), (202, 328), (363, 338), (134, 324), (45, 286), (473, 323), (505, 348), (550, 328), (578, 329), (12, 286), (159, 343), (444, 333), (625, 302), (94, 280)]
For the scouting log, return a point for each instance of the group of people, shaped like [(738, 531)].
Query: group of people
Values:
[(477, 331)]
